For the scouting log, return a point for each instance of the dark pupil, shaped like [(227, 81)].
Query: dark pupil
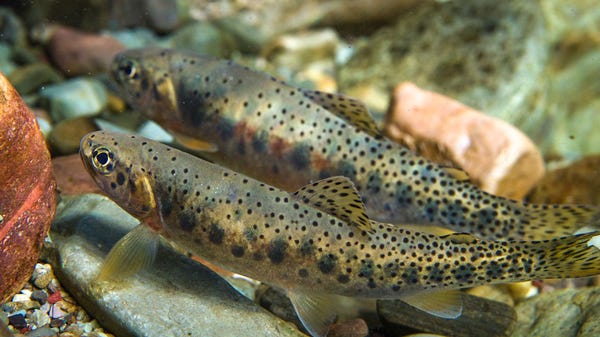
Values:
[(128, 69), (102, 158)]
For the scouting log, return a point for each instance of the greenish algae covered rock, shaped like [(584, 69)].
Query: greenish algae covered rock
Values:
[(566, 313), (175, 297), (486, 54)]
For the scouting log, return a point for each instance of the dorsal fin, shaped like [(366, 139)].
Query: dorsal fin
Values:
[(351, 110), (336, 196)]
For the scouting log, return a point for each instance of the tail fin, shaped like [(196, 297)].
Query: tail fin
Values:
[(549, 221), (566, 257)]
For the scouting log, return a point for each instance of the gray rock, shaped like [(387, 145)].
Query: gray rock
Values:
[(567, 313), (203, 38), (136, 37), (175, 297), (487, 54), (73, 98)]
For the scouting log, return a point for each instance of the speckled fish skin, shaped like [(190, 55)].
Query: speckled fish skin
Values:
[(274, 132), (256, 230)]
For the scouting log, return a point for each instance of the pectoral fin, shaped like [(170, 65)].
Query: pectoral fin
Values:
[(131, 253), (445, 304), (194, 143), (351, 110), (336, 196), (316, 311)]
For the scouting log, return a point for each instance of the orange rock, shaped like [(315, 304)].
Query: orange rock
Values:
[(497, 156), (577, 183), (78, 53), (28, 191), (73, 178)]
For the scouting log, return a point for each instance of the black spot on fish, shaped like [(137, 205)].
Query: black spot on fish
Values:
[(307, 247), (343, 278), (120, 178), (345, 168), (187, 221), (371, 284), (327, 263), (494, 270), (216, 234), (144, 84), (276, 250), (436, 274), (464, 272), (260, 141), (366, 268), (250, 234), (300, 156), (303, 272), (166, 206), (237, 251), (192, 108), (391, 269), (411, 275), (374, 182), (225, 129), (257, 256)]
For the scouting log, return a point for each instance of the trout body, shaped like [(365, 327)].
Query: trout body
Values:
[(315, 242), (288, 137)]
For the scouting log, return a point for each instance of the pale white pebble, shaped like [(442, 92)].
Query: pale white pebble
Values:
[(21, 297), (595, 241)]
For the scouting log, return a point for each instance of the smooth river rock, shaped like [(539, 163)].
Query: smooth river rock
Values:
[(175, 297)]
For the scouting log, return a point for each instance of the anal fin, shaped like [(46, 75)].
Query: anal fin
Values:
[(130, 254), (336, 196), (317, 311), (444, 303)]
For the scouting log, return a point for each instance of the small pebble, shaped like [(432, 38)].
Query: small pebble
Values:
[(21, 297), (352, 328), (41, 276), (56, 312), (55, 297), (40, 296), (43, 332), (17, 321), (39, 318)]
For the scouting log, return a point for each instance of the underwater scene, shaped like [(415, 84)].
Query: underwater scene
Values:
[(299, 168)]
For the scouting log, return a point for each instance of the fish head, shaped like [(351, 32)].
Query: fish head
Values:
[(110, 160), (144, 81)]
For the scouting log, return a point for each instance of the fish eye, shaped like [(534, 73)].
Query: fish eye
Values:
[(103, 160), (128, 69)]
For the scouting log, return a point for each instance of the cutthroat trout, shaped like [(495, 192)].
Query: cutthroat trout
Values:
[(288, 137), (316, 243)]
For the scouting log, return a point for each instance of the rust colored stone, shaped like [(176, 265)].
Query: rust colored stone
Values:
[(577, 183), (498, 157), (77, 53), (73, 178), (27, 191)]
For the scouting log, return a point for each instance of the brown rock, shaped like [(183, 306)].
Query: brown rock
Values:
[(73, 178), (352, 328), (28, 197), (65, 136), (78, 53), (497, 156), (577, 183)]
